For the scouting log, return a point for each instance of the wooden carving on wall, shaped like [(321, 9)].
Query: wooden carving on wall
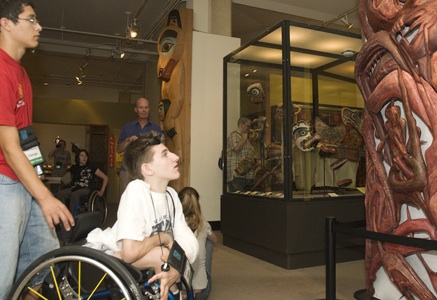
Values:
[(174, 71), (396, 73)]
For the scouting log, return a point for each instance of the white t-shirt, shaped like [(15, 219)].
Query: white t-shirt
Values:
[(142, 213)]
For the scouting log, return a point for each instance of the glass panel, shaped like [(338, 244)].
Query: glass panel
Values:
[(254, 136), (340, 160), (321, 125)]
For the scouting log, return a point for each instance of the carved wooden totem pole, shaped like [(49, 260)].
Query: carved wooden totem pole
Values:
[(174, 70), (396, 73)]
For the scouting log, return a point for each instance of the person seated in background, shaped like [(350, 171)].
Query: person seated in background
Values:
[(83, 178), (202, 280), (149, 217)]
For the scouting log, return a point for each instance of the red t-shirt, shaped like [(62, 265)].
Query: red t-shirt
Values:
[(15, 101)]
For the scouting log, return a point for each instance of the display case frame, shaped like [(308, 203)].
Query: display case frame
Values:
[(287, 229), (288, 63)]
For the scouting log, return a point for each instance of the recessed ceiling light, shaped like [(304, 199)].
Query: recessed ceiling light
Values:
[(348, 53)]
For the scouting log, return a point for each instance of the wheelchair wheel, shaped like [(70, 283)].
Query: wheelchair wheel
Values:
[(81, 207), (97, 203), (75, 272)]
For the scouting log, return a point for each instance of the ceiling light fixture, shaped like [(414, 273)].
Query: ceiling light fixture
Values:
[(82, 70), (339, 17), (85, 63), (79, 82), (120, 53), (131, 27), (82, 73), (119, 49), (347, 23), (83, 66), (348, 53), (133, 30)]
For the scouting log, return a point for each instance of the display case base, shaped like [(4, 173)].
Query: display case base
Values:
[(289, 234)]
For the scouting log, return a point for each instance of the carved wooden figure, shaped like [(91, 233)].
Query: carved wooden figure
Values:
[(174, 70), (396, 73)]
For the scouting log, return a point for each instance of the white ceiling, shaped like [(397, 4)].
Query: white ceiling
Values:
[(72, 27), (251, 17)]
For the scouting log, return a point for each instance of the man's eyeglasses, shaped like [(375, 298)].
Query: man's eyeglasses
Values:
[(32, 21)]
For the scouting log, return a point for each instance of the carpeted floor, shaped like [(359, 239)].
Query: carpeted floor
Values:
[(239, 276)]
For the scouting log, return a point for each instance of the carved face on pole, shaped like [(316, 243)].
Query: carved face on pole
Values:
[(170, 46), (163, 106)]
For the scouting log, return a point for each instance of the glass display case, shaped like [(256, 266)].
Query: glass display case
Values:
[(292, 115)]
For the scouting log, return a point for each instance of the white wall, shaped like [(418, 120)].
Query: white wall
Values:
[(207, 118)]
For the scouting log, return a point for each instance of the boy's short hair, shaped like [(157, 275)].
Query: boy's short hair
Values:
[(11, 9), (139, 152)]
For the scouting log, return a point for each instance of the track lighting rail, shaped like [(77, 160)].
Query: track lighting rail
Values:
[(339, 17), (99, 35)]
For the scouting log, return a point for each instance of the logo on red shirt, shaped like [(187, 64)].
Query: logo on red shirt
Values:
[(20, 96)]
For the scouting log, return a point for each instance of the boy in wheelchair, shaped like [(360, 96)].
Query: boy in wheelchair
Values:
[(150, 217)]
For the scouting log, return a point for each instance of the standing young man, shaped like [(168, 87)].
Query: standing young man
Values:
[(133, 130), (28, 211)]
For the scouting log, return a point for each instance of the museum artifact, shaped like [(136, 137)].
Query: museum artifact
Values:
[(396, 73)]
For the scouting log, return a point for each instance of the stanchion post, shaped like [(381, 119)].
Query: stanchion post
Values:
[(330, 259)]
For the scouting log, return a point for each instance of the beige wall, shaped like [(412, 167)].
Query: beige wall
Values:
[(82, 112), (207, 118)]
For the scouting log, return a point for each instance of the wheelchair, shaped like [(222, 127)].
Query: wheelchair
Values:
[(74, 272), (92, 203)]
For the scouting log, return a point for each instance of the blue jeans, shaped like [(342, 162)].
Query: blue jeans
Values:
[(24, 231), (70, 198)]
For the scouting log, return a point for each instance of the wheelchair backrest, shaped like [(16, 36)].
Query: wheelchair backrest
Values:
[(84, 223)]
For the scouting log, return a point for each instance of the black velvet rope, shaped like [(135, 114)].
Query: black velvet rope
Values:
[(356, 229)]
